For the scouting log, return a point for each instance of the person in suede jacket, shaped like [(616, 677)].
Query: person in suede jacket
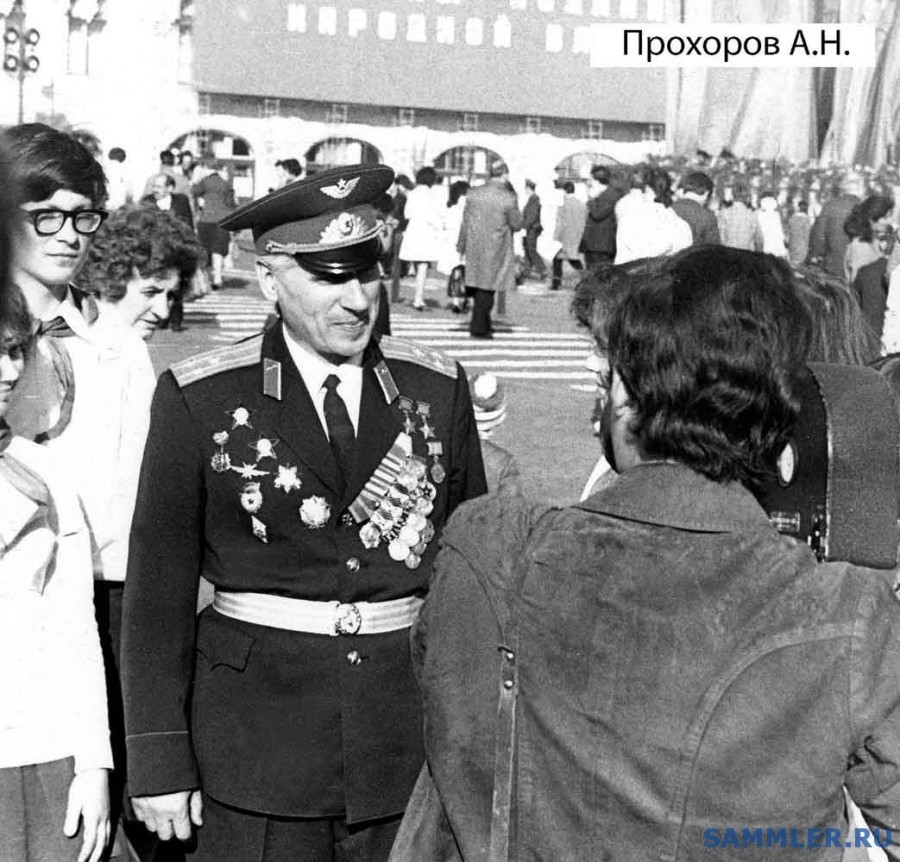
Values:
[(630, 677)]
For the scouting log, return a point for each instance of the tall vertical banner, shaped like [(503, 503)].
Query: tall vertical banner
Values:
[(764, 112), (866, 117)]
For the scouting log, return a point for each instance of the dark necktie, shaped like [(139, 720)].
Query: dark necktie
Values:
[(42, 402), (55, 328), (22, 478), (340, 430)]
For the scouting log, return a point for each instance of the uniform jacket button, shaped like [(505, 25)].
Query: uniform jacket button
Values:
[(353, 565), (353, 658)]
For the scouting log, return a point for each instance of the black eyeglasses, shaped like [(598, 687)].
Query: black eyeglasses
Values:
[(49, 222)]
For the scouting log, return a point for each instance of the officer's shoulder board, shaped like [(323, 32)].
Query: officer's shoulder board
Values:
[(410, 351), (216, 361)]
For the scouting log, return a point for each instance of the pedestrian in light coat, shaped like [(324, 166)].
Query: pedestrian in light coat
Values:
[(570, 221), (490, 219)]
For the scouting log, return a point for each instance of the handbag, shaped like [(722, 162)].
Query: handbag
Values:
[(456, 283)]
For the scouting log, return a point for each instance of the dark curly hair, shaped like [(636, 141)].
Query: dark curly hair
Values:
[(426, 176), (45, 160), (661, 183), (858, 224), (457, 190), (709, 344), (145, 239), (599, 291), (15, 320)]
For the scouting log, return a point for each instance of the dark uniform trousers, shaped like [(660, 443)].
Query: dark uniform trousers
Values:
[(228, 833), (301, 740), (482, 302)]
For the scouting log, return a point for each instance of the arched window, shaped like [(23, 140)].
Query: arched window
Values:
[(469, 163), (233, 151), (577, 167), (335, 152)]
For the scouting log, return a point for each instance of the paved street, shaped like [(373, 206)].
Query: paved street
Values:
[(537, 350)]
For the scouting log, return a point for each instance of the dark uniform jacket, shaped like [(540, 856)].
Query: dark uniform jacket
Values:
[(871, 289), (531, 215), (268, 720), (701, 220), (828, 240), (600, 228), (181, 207)]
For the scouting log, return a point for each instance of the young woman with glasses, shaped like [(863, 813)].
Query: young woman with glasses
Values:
[(73, 392), (63, 191), (54, 738)]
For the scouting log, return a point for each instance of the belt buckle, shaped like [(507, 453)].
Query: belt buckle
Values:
[(347, 619)]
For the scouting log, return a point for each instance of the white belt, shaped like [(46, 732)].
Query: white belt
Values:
[(319, 618)]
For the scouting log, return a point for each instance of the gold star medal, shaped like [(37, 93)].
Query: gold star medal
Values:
[(424, 410), (406, 405)]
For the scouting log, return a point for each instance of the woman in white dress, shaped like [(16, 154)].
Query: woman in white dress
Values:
[(422, 238)]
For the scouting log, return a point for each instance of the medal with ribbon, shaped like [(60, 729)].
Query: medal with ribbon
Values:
[(221, 460), (406, 406), (395, 504), (435, 450)]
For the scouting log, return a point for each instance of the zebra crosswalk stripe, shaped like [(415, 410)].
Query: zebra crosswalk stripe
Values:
[(515, 352)]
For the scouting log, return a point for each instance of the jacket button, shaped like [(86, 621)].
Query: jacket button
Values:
[(353, 658), (353, 565)]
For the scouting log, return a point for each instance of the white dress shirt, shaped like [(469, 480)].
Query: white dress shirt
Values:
[(314, 369)]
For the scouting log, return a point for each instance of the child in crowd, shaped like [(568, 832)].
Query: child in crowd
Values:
[(55, 752), (489, 403)]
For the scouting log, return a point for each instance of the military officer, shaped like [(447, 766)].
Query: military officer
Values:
[(305, 473)]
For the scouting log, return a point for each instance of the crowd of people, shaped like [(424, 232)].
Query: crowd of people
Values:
[(287, 602), (620, 213), (199, 193)]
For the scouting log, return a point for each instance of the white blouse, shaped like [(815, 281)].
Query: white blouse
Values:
[(104, 440), (53, 701)]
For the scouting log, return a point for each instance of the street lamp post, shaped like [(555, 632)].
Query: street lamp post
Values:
[(20, 43)]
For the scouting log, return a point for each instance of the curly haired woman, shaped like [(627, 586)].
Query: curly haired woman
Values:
[(139, 261)]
